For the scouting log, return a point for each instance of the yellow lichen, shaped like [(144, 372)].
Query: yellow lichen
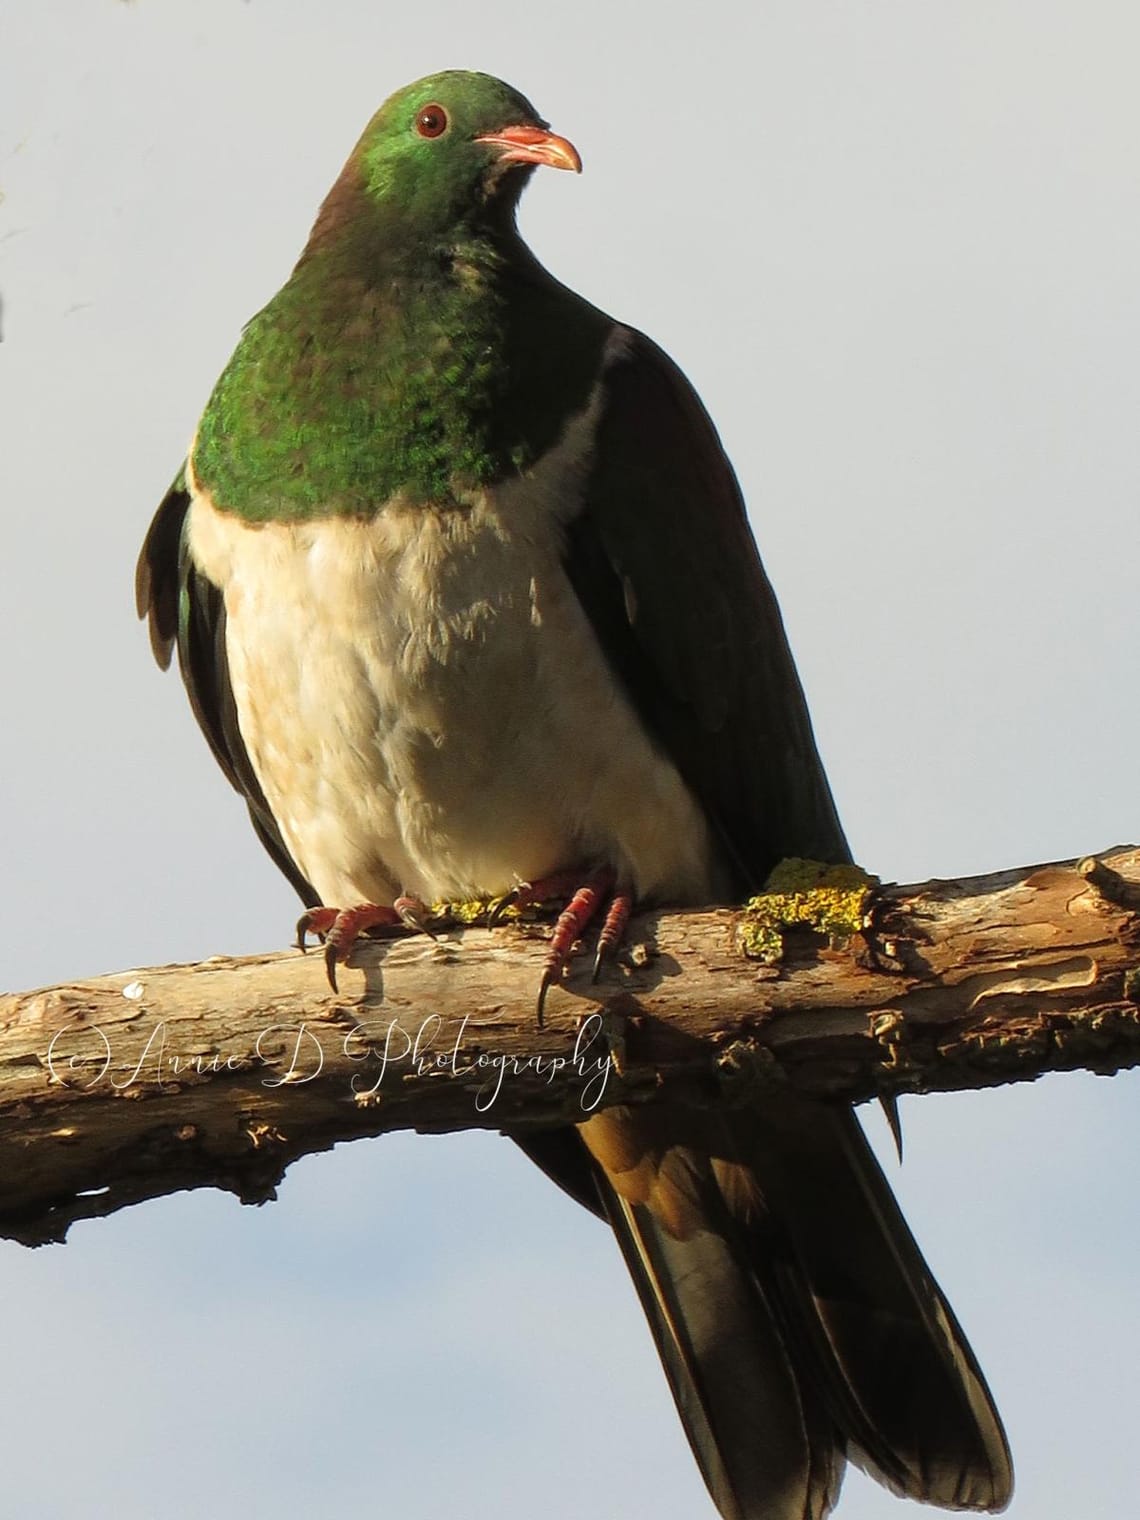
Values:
[(472, 910), (484, 910), (809, 894)]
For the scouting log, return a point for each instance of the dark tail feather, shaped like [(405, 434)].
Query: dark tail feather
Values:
[(796, 1319), (902, 1380), (766, 1448)]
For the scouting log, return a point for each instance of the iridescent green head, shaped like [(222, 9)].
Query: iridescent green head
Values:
[(384, 365), (449, 149)]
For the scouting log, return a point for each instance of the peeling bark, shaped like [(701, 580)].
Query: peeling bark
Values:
[(142, 1083)]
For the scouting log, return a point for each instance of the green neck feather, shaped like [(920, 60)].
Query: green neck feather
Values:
[(371, 373)]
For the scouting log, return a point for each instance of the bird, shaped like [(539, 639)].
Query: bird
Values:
[(466, 602)]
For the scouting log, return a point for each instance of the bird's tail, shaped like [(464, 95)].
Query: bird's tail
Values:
[(796, 1319)]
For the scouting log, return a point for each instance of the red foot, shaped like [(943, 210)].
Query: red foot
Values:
[(529, 894), (614, 927), (340, 928), (577, 915)]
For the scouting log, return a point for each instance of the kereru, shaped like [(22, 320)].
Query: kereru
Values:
[(464, 596)]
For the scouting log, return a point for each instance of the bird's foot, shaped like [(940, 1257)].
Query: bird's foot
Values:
[(546, 892), (586, 901), (583, 895), (340, 928)]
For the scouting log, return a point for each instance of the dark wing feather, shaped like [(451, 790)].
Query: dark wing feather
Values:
[(794, 1314), (184, 607), (663, 561)]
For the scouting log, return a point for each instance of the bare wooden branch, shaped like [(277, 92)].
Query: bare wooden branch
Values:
[(138, 1084)]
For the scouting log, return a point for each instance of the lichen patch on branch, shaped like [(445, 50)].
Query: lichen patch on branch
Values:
[(805, 894)]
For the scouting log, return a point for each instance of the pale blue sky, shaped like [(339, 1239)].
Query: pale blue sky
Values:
[(895, 247)]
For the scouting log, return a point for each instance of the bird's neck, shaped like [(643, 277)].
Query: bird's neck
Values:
[(375, 239), (380, 370)]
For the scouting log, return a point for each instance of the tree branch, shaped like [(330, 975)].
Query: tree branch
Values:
[(142, 1083)]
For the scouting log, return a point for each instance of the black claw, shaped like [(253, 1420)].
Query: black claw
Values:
[(302, 928), (547, 980), (508, 900), (414, 922), (601, 958), (330, 964)]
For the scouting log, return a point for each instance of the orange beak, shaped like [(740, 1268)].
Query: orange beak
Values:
[(534, 145)]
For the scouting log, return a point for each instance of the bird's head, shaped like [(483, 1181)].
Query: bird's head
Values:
[(449, 150)]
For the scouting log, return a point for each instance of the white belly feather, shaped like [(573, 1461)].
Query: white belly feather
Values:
[(428, 711)]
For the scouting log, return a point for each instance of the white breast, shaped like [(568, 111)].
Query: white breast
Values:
[(428, 711)]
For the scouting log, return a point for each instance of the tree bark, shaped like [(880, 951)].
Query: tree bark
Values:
[(142, 1083)]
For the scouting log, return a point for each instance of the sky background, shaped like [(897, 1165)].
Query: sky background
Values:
[(894, 245)]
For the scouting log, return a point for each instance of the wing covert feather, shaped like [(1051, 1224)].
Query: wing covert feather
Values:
[(663, 560)]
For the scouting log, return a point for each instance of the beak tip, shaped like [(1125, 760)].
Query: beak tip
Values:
[(534, 145)]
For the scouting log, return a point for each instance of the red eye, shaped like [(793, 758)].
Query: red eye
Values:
[(432, 121)]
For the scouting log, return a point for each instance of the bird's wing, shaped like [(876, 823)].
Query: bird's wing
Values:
[(183, 607), (794, 1314), (664, 563)]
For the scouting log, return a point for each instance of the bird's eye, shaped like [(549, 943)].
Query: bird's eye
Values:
[(432, 121)]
